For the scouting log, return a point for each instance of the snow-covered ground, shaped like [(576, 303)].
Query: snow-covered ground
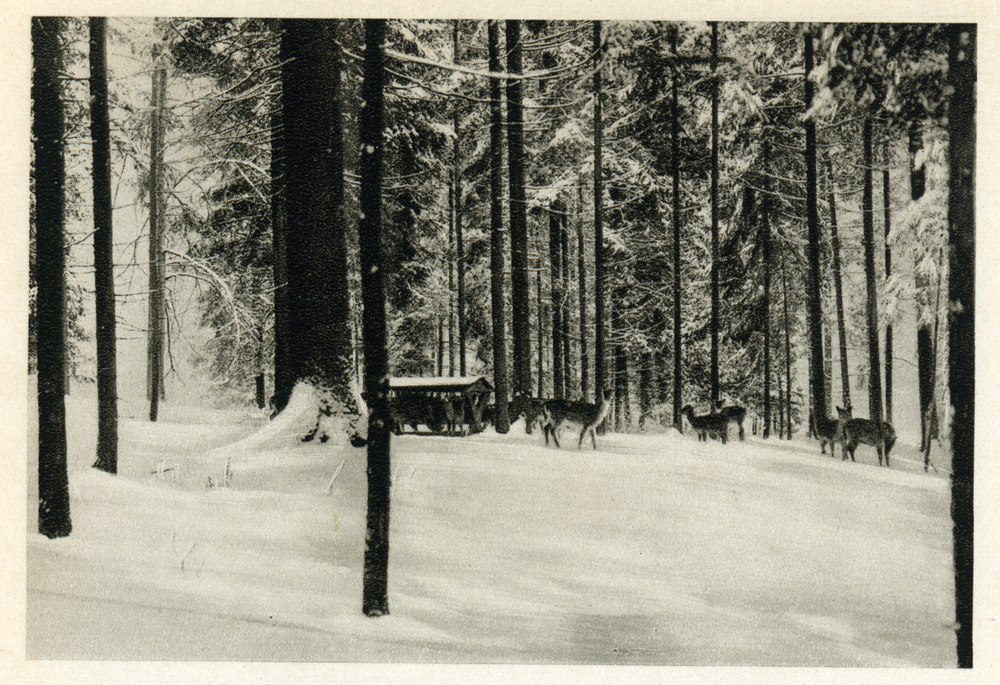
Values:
[(652, 550)]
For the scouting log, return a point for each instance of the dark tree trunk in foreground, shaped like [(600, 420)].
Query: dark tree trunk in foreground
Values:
[(600, 381), (375, 600), (154, 341), (815, 311), (888, 272), (50, 177), (962, 331), (676, 221), (501, 382), (838, 287), (518, 217), (714, 325), (871, 305), (318, 301), (104, 264)]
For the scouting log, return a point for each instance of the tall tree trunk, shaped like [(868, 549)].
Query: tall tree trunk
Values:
[(886, 191), (154, 340), (452, 337), (518, 217), (284, 377), (765, 222), (556, 213), (714, 325), (926, 361), (375, 598), (675, 165), (871, 306), (788, 350), (564, 279), (539, 307), (600, 381), (581, 273), (104, 262), (815, 307), (318, 289), (838, 288), (501, 383), (47, 130), (962, 68), (459, 238)]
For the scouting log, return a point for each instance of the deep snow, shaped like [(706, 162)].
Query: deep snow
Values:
[(654, 549)]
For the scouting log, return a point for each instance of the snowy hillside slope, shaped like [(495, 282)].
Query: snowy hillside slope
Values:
[(653, 549)]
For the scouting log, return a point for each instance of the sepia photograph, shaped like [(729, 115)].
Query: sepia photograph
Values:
[(461, 342)]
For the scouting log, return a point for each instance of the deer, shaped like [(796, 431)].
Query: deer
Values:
[(878, 434), (556, 413), (831, 431), (734, 413), (454, 414), (708, 425)]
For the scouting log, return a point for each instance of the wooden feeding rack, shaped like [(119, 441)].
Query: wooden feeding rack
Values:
[(440, 403)]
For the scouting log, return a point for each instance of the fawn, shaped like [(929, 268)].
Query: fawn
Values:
[(708, 425), (588, 416), (877, 434)]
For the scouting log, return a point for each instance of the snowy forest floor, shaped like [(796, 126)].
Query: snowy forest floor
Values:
[(653, 549)]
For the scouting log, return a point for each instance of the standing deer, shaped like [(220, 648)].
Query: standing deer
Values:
[(877, 434), (707, 426), (556, 413), (831, 431)]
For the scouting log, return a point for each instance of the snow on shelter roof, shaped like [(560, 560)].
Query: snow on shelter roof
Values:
[(461, 384)]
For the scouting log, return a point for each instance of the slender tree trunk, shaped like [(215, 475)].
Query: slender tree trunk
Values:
[(518, 217), (600, 381), (104, 264), (815, 307), (926, 362), (564, 279), (501, 383), (886, 191), (788, 350), (541, 327), (459, 238), (838, 287), (556, 214), (440, 347), (871, 308), (714, 325), (452, 337), (375, 598), (962, 68), (581, 273), (284, 377), (154, 340), (47, 130), (675, 164), (645, 388), (765, 220)]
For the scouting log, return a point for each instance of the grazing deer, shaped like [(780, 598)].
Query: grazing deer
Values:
[(707, 426), (877, 434), (737, 414), (831, 431), (556, 413)]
